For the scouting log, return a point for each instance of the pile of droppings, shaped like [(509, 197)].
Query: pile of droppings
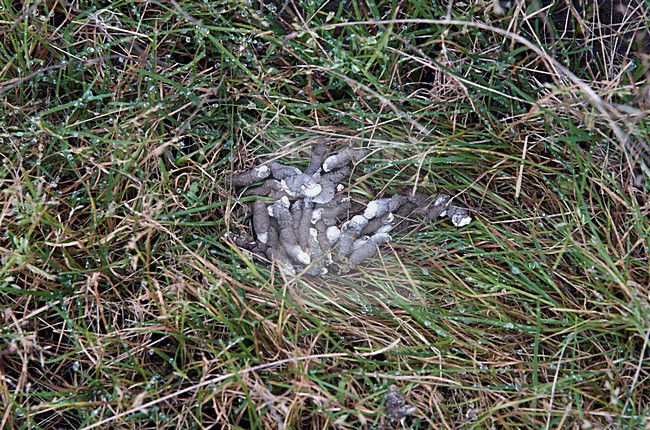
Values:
[(304, 220)]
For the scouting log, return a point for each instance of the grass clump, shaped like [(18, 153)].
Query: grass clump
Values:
[(122, 306)]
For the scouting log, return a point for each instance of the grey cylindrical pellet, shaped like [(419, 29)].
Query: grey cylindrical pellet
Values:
[(337, 175), (278, 255), (298, 254), (396, 202), (281, 213), (270, 188), (438, 207), (349, 233), (321, 228), (318, 152), (332, 234), (344, 157), (274, 239), (305, 224), (288, 236), (296, 213), (302, 186), (328, 191), (368, 249), (375, 224), (372, 226), (377, 208), (290, 244), (421, 202), (459, 216), (261, 221), (329, 215), (244, 242), (316, 252), (248, 177), (280, 171), (359, 222), (429, 207)]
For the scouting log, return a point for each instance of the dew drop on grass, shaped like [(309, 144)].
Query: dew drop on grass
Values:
[(515, 270), (509, 326)]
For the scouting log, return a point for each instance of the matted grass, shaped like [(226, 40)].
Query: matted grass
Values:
[(124, 307)]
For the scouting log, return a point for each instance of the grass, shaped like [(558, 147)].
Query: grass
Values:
[(123, 307)]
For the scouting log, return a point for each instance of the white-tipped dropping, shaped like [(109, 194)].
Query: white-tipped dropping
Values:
[(298, 254), (360, 220), (384, 229), (330, 163), (310, 189), (461, 219), (262, 172), (376, 208), (316, 215), (442, 199), (366, 249), (279, 204), (333, 234), (360, 242), (263, 237)]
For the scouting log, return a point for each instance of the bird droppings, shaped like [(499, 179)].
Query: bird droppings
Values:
[(459, 216), (396, 405), (365, 249), (280, 171), (344, 157), (306, 222), (261, 221)]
